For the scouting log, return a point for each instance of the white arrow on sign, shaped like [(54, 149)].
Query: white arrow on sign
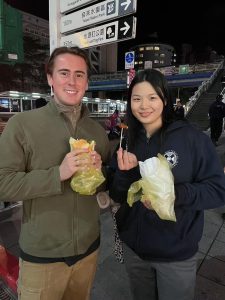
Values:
[(126, 4), (100, 35), (95, 14), (125, 28)]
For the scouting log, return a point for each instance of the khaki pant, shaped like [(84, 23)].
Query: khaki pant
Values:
[(57, 281)]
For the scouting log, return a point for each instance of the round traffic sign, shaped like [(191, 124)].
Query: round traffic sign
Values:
[(129, 57)]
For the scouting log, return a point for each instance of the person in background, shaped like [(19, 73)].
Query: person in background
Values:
[(40, 102), (160, 255), (60, 232), (216, 115), (179, 110), (115, 119), (113, 125)]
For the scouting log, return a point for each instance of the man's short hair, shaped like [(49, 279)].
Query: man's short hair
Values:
[(77, 51)]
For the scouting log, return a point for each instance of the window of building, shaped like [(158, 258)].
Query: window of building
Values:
[(162, 54), (141, 55), (149, 48), (140, 62), (156, 61), (156, 48), (141, 49)]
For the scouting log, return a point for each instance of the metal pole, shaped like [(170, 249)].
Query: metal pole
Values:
[(54, 24)]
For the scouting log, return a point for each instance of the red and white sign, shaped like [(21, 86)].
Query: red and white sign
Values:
[(130, 76)]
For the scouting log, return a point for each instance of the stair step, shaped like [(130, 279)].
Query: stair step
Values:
[(199, 112)]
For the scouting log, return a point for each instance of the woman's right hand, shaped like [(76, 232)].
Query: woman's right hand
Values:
[(126, 160)]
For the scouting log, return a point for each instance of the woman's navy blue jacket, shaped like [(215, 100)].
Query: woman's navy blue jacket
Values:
[(199, 185)]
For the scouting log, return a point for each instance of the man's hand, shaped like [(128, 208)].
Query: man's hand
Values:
[(78, 160), (96, 160)]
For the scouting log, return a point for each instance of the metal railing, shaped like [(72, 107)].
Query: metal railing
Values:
[(223, 93), (203, 88), (197, 68)]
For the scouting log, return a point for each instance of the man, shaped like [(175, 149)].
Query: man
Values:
[(216, 115), (60, 233), (179, 110)]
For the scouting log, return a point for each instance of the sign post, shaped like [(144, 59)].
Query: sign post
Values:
[(68, 5), (129, 60), (95, 14), (122, 29), (70, 25), (54, 25), (130, 76)]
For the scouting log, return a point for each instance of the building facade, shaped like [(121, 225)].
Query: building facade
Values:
[(154, 55), (36, 27)]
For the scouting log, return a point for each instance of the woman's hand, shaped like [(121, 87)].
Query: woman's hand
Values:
[(126, 160), (147, 204)]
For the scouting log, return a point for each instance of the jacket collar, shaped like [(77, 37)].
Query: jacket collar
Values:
[(53, 107)]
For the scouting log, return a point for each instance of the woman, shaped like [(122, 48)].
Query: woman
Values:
[(160, 255)]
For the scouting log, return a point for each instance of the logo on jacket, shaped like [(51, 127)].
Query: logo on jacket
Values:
[(172, 157)]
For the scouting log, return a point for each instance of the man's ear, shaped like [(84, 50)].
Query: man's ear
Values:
[(49, 79)]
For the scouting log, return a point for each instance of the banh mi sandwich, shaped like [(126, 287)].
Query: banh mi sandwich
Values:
[(82, 144)]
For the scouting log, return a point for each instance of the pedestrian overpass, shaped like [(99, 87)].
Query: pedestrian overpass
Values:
[(118, 81)]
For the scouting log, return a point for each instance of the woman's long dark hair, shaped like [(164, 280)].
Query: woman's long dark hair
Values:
[(160, 85)]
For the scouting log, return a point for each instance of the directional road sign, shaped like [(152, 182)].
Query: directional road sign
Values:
[(129, 60), (97, 13), (67, 5), (122, 29)]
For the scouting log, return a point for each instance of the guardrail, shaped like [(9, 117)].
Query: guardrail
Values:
[(203, 88), (197, 68), (223, 93)]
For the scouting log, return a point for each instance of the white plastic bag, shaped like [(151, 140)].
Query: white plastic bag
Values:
[(156, 186)]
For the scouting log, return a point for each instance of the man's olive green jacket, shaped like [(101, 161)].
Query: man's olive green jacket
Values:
[(56, 221)]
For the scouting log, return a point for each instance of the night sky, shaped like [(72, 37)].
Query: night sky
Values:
[(173, 22)]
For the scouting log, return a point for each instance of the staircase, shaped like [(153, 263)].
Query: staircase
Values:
[(198, 115)]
